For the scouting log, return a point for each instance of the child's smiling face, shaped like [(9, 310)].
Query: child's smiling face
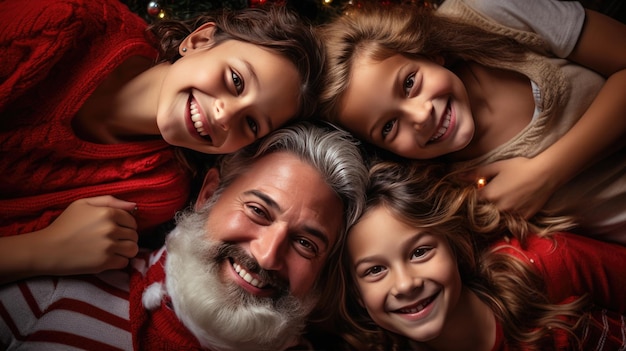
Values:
[(218, 99), (407, 278), (415, 108)]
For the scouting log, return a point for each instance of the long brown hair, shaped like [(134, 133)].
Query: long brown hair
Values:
[(381, 31), (419, 196)]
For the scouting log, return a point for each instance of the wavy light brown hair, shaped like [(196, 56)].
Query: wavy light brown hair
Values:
[(379, 31), (419, 196)]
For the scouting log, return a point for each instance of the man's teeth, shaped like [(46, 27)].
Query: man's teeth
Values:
[(195, 117), (444, 126), (247, 277)]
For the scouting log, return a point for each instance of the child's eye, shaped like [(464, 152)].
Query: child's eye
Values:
[(420, 252), (254, 127), (387, 128), (374, 270), (408, 84), (237, 82)]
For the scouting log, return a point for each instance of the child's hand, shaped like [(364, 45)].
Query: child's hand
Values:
[(92, 235), (519, 185)]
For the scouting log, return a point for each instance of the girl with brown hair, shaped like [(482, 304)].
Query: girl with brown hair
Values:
[(425, 268)]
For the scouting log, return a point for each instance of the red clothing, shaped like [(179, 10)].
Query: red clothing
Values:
[(94, 312), (155, 327), (572, 266), (54, 54)]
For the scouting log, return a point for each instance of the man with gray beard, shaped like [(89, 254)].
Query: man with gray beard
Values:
[(241, 271)]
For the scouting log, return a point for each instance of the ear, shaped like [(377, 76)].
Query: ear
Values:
[(211, 181), (202, 37)]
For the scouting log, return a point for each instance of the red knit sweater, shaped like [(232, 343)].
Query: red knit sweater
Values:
[(54, 54), (573, 266)]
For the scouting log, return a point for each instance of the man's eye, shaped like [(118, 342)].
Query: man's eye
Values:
[(408, 84), (258, 211), (306, 248), (387, 128), (237, 82), (254, 127)]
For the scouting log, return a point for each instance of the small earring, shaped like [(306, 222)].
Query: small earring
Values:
[(184, 49)]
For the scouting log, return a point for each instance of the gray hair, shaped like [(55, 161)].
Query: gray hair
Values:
[(335, 153)]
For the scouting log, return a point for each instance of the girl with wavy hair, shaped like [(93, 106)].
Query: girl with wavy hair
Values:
[(425, 268), (524, 94)]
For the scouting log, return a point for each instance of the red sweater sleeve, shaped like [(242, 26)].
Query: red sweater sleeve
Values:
[(36, 34), (573, 265)]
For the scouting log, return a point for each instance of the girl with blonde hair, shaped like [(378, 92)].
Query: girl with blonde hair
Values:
[(526, 95)]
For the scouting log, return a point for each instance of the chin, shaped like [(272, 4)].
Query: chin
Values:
[(219, 313)]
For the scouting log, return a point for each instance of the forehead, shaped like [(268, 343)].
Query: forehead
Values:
[(298, 189), (374, 230), (371, 91)]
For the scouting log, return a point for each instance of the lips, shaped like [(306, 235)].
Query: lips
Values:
[(415, 308), (444, 124)]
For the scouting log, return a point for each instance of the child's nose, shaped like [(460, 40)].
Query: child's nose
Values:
[(421, 112), (225, 113), (405, 283)]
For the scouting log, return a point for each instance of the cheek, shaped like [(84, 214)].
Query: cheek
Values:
[(372, 297), (453, 282), (302, 279), (226, 226)]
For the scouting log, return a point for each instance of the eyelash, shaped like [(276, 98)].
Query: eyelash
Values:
[(309, 246), (408, 84), (239, 85), (374, 270), (424, 251), (254, 127), (387, 128), (238, 82)]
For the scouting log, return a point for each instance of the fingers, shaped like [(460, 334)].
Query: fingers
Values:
[(124, 219), (110, 201), (126, 249)]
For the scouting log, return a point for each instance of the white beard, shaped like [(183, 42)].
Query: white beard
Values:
[(224, 316)]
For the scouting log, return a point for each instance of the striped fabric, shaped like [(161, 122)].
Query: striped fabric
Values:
[(68, 313)]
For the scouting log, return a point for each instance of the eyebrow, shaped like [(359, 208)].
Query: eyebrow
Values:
[(273, 204), (415, 237), (255, 80)]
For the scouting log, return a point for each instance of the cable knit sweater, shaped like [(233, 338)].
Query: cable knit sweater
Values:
[(54, 54), (597, 196)]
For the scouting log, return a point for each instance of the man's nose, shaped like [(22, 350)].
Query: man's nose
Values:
[(270, 247)]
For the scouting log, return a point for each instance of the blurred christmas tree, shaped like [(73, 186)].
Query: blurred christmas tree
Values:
[(317, 11)]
